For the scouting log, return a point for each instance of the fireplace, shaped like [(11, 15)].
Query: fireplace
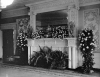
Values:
[(65, 45)]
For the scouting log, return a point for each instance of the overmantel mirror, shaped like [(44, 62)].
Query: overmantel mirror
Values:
[(53, 21), (53, 13), (52, 18)]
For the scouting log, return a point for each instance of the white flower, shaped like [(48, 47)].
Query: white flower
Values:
[(86, 39), (92, 49), (89, 36), (87, 47), (80, 44), (88, 33), (83, 49)]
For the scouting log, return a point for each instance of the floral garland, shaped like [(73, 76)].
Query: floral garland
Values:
[(52, 32), (56, 32)]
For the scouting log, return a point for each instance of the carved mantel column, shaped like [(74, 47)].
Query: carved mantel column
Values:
[(73, 15), (33, 20)]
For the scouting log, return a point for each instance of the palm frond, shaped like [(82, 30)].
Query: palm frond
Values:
[(50, 59)]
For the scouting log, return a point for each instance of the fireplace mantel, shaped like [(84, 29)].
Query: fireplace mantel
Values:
[(72, 7), (65, 45)]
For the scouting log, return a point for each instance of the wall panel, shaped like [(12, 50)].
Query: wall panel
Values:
[(91, 15)]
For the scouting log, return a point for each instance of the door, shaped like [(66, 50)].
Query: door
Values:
[(7, 44)]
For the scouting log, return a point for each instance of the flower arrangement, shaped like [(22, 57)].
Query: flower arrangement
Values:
[(54, 32), (87, 45)]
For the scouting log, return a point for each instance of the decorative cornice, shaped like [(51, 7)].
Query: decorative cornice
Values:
[(88, 2), (38, 2), (50, 3)]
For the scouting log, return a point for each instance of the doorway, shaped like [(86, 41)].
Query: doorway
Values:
[(8, 49)]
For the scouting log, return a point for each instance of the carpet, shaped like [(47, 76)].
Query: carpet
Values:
[(10, 70)]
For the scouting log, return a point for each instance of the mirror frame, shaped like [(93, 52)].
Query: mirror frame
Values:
[(52, 5)]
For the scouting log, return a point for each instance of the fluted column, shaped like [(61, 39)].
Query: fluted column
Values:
[(73, 17), (33, 20), (73, 13)]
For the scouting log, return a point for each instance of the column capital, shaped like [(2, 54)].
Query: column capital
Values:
[(32, 13), (73, 6)]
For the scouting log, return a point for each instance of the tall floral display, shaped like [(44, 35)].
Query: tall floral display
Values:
[(87, 46), (22, 49), (23, 31)]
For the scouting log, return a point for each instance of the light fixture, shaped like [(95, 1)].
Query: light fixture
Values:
[(5, 3)]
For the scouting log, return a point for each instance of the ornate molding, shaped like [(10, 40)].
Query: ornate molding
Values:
[(52, 3), (88, 2)]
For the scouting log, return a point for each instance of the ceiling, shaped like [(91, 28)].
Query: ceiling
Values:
[(20, 3), (48, 16)]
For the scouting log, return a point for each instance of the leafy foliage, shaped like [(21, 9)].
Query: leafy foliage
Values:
[(60, 60), (29, 32), (47, 58), (41, 58)]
